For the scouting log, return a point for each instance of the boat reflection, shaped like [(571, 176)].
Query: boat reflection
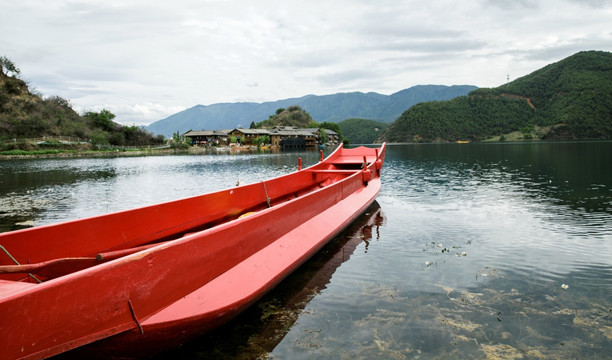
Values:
[(258, 330)]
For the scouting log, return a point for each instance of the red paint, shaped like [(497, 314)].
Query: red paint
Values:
[(183, 285)]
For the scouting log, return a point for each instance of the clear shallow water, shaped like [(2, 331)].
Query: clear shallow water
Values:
[(470, 248), (477, 243)]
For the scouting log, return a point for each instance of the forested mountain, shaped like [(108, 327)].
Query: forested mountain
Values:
[(326, 108), (362, 131), (570, 99), (293, 116)]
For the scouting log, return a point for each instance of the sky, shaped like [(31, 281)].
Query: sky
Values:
[(145, 60)]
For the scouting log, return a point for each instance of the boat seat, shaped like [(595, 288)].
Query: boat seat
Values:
[(334, 171), (8, 288)]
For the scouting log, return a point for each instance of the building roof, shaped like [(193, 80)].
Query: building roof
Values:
[(207, 133), (199, 133), (291, 132), (253, 131), (330, 132), (278, 130)]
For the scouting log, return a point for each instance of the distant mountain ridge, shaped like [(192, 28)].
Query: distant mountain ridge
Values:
[(567, 100), (322, 108)]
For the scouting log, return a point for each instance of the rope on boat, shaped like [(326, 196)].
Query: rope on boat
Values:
[(17, 262), (267, 197), (134, 317)]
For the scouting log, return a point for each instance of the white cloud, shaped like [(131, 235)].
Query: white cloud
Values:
[(147, 60), (135, 114)]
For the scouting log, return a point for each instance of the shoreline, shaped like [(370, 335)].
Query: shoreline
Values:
[(74, 154), (69, 154)]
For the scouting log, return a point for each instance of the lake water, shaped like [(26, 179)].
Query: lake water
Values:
[(471, 251)]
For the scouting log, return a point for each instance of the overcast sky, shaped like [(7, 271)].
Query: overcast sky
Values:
[(145, 60)]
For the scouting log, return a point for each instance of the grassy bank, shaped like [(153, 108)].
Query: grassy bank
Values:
[(22, 150), (58, 150)]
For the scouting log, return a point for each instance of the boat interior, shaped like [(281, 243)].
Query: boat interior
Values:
[(39, 254)]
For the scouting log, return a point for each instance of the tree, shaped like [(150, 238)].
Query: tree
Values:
[(7, 66), (322, 136), (176, 136), (99, 138), (103, 119), (179, 142), (261, 140), (333, 127)]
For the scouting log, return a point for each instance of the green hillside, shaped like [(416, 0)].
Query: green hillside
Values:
[(362, 131), (570, 99), (292, 116), (26, 114), (297, 117)]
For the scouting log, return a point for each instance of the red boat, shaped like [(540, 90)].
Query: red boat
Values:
[(153, 277)]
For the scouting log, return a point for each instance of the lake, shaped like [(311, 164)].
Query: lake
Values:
[(471, 251)]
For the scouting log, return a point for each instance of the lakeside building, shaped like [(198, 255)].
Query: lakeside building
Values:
[(284, 137)]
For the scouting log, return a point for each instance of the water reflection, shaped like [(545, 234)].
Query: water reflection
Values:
[(576, 175), (566, 184), (29, 189)]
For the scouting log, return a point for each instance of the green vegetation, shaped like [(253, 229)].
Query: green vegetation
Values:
[(16, 152), (572, 99), (326, 125), (362, 131), (297, 117), (180, 142), (323, 137), (7, 67), (292, 116), (26, 114), (261, 140), (463, 118)]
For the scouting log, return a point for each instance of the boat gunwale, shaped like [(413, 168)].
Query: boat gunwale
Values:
[(189, 235), (223, 226)]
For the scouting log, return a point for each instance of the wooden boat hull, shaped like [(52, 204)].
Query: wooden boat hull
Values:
[(206, 264), (230, 293)]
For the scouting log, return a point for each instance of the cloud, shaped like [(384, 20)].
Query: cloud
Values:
[(345, 76), (597, 4), (143, 59), (513, 4)]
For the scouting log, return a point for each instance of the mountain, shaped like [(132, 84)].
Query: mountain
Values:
[(325, 108), (570, 99)]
